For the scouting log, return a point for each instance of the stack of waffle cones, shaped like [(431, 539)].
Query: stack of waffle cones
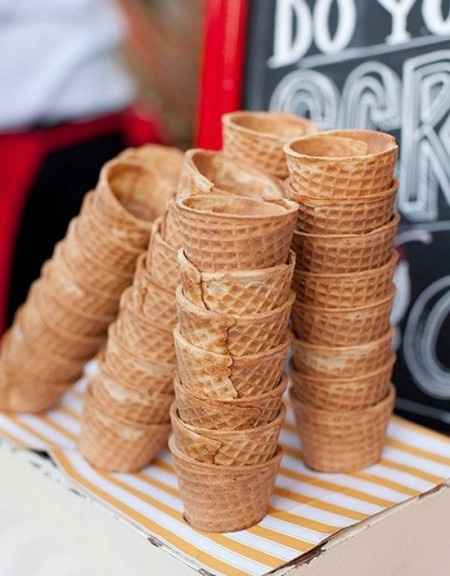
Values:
[(65, 318), (341, 370), (126, 419), (231, 342), (259, 138)]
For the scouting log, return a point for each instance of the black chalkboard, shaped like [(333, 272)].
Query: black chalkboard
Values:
[(382, 64)]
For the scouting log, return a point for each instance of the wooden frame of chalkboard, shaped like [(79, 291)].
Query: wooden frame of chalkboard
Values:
[(222, 67)]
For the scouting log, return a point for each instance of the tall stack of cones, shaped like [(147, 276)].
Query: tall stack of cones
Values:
[(231, 342), (126, 416), (341, 370), (258, 138), (65, 318)]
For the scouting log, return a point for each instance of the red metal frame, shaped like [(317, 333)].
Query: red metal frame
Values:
[(222, 67)]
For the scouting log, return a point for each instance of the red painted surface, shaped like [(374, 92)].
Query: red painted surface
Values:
[(222, 67)]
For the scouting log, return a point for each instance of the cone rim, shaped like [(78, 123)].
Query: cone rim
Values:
[(331, 381), (231, 120), (141, 426), (178, 453), (323, 310), (326, 202), (243, 400), (339, 349), (235, 359), (184, 303), (392, 262), (391, 145), (326, 416), (289, 207), (184, 262), (216, 434), (392, 224)]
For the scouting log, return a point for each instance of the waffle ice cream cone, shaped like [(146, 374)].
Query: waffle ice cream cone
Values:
[(234, 233), (342, 394), (91, 220), (239, 448), (342, 441), (346, 253), (170, 230), (151, 300), (237, 335), (234, 414), (342, 327), (342, 361), (120, 401), (63, 285), (162, 262), (93, 276), (25, 362), (324, 216), (342, 164), (164, 160), (28, 396), (129, 196), (351, 290), (113, 253), (65, 315), (222, 498), (259, 137), (115, 445), (39, 330), (222, 376), (208, 172), (134, 370), (240, 292), (153, 343)]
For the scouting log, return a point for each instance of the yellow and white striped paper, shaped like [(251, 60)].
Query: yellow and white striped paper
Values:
[(307, 507)]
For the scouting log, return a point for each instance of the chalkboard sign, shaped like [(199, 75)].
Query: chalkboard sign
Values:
[(381, 64)]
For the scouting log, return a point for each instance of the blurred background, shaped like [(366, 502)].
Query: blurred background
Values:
[(80, 80)]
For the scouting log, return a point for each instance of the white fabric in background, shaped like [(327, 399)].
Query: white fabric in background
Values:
[(58, 61)]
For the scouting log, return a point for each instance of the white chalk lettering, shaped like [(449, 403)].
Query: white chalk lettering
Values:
[(345, 27), (399, 10), (290, 47), (433, 17)]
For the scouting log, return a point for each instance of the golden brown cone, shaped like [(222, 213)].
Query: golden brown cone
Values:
[(209, 172), (258, 138), (120, 401), (342, 163), (335, 441), (341, 394), (234, 233), (345, 290), (162, 262), (151, 300), (323, 216), (229, 414), (342, 361), (224, 498), (237, 292), (239, 448), (152, 342), (222, 376), (129, 195), (345, 253), (342, 327), (237, 335), (117, 446), (134, 370)]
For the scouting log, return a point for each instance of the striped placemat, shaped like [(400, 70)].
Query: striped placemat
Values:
[(307, 507)]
